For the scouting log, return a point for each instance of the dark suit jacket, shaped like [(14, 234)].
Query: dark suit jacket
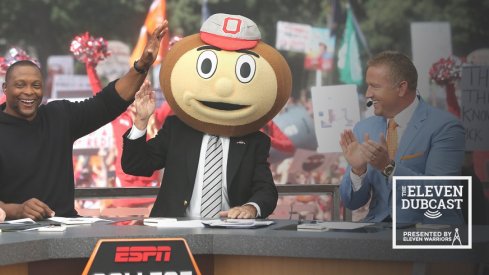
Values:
[(177, 148)]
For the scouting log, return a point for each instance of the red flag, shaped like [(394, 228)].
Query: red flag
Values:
[(156, 15)]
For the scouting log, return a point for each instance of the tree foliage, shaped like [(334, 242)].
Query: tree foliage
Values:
[(387, 23), (46, 27)]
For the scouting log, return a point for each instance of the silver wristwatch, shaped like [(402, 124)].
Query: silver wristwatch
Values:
[(389, 169)]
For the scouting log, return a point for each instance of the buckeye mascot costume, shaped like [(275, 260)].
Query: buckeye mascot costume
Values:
[(223, 85)]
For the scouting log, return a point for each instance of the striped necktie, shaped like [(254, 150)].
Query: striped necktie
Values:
[(392, 138), (212, 184)]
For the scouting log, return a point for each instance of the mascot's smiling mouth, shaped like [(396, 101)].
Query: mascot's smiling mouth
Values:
[(223, 106)]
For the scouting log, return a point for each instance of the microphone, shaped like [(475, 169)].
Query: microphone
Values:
[(369, 103)]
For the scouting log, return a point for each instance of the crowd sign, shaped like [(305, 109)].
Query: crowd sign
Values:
[(475, 107), (292, 36), (320, 50), (335, 110), (70, 86)]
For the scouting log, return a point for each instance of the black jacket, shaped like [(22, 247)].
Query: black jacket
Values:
[(177, 147)]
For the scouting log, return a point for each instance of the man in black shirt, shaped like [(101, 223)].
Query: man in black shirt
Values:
[(36, 141)]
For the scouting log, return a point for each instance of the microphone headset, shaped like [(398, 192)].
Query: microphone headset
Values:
[(369, 103)]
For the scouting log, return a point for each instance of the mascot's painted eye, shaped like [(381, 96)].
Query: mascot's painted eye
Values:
[(207, 64), (245, 68)]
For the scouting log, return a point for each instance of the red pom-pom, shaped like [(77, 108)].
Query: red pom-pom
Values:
[(446, 70), (88, 49), (13, 55)]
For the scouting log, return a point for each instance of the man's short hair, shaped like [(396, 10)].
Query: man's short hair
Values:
[(400, 66), (20, 63)]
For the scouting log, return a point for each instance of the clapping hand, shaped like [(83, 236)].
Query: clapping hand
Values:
[(352, 150), (376, 153)]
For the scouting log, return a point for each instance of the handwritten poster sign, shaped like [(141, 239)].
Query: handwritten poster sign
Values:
[(475, 107), (335, 109)]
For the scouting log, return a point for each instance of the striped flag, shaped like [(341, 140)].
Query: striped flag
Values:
[(156, 15)]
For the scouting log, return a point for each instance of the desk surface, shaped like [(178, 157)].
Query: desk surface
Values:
[(78, 242)]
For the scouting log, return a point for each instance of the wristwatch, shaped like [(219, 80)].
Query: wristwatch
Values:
[(142, 70), (389, 169)]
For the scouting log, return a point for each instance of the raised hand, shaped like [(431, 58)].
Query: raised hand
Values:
[(130, 83), (151, 49), (145, 103)]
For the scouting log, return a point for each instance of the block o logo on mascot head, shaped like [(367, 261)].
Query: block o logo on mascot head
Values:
[(225, 81)]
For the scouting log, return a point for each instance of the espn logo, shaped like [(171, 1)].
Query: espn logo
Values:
[(142, 254)]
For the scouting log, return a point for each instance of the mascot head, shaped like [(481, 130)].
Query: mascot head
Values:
[(225, 81)]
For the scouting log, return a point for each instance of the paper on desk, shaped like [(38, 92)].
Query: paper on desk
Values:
[(77, 220), (237, 223), (52, 228), (173, 223), (332, 225), (21, 221), (26, 224)]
